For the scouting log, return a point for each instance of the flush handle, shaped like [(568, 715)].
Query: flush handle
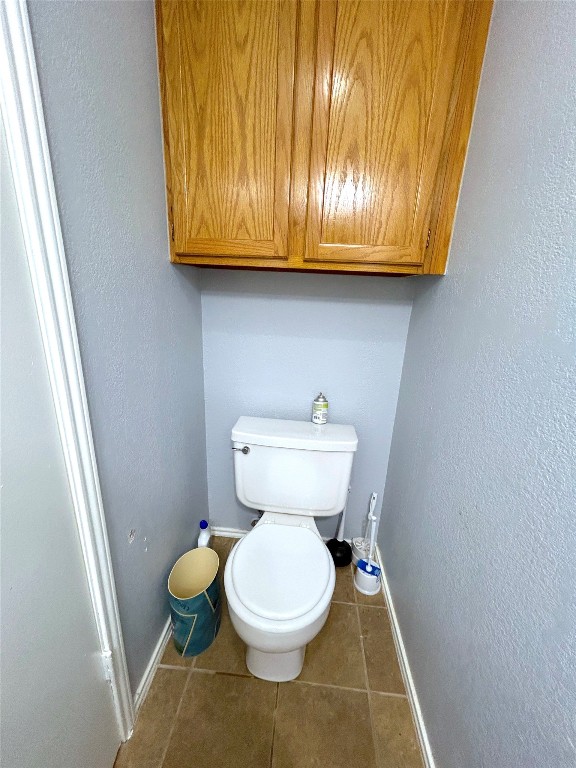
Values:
[(245, 450)]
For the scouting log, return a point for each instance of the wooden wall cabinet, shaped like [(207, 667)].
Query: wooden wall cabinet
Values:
[(324, 135)]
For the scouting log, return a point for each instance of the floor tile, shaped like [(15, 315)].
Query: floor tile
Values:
[(344, 589), (375, 600), (227, 653), (381, 662), (146, 747), (224, 722), (396, 742), (222, 546), (173, 658), (334, 657), (318, 727)]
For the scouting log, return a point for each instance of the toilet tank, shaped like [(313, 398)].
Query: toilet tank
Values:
[(293, 466)]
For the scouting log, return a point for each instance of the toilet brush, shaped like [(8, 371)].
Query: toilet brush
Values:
[(373, 527), (340, 550), (367, 576)]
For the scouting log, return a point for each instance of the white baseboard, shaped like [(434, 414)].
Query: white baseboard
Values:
[(231, 533), (150, 670), (237, 533), (405, 669)]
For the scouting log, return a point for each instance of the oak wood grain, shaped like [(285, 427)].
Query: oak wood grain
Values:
[(456, 133), (228, 69), (324, 135), (297, 265), (384, 77)]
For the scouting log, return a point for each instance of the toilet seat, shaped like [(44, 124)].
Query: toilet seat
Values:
[(281, 572)]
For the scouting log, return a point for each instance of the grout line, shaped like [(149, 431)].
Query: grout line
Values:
[(328, 685), (360, 605), (200, 671), (244, 675), (369, 692), (179, 667), (348, 688), (342, 602), (274, 724), (174, 720), (391, 695)]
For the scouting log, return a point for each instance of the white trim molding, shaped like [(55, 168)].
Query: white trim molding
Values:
[(23, 119), (228, 533), (405, 669), (152, 666)]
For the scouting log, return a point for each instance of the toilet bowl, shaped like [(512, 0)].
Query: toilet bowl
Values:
[(279, 580)]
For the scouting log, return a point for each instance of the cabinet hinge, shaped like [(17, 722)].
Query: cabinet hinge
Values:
[(172, 222), (172, 231), (427, 239)]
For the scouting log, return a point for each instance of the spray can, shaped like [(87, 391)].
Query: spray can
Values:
[(320, 410), (205, 533)]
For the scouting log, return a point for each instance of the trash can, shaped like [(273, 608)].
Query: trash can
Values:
[(195, 607)]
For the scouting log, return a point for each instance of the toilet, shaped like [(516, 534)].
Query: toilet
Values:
[(279, 578)]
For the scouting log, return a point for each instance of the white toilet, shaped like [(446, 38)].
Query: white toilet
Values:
[(279, 578)]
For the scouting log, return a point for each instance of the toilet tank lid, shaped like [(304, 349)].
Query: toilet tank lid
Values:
[(303, 435)]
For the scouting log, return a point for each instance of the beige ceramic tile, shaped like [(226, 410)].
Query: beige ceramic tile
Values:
[(396, 742), (334, 657), (381, 662), (375, 600), (224, 722), (146, 747), (172, 658), (318, 727), (227, 653), (344, 589), (222, 546)]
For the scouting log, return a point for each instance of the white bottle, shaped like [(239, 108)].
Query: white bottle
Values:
[(205, 534)]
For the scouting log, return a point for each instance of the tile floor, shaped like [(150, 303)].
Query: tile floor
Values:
[(348, 707)]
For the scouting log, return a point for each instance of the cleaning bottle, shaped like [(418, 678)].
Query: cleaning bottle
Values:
[(205, 534)]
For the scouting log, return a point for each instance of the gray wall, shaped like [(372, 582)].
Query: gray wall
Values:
[(138, 317), (479, 535), (272, 341), (57, 707)]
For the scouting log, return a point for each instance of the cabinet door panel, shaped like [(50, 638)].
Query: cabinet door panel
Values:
[(227, 90), (384, 75)]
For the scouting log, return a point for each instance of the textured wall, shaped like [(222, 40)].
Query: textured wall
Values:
[(272, 341), (479, 533), (138, 317)]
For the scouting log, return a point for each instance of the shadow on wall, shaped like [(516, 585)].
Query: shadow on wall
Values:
[(272, 341), (310, 297)]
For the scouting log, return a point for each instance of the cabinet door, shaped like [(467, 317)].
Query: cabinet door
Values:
[(383, 89), (227, 72)]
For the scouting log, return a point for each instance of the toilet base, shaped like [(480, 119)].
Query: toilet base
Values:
[(276, 667)]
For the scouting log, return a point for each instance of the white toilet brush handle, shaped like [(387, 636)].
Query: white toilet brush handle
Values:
[(372, 518)]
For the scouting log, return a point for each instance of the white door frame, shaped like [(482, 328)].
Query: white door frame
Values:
[(25, 129)]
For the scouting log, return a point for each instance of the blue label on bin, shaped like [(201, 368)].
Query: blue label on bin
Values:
[(196, 621), (374, 570)]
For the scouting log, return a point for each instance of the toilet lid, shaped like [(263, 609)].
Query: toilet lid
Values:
[(280, 571)]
